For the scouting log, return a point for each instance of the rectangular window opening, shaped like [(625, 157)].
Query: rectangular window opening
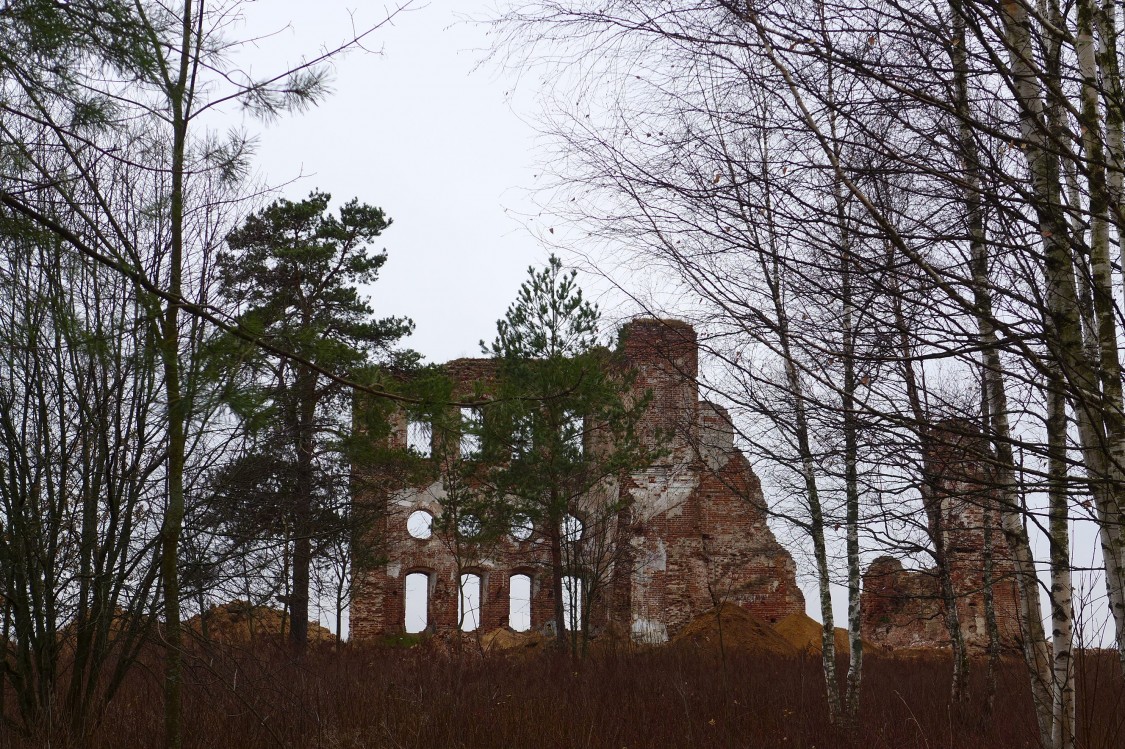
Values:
[(574, 433), (418, 435), (468, 604), (519, 603), (470, 432), (572, 602), (417, 602)]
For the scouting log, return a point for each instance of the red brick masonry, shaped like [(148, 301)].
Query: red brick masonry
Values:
[(904, 608), (692, 532)]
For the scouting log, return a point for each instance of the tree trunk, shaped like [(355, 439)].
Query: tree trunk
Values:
[(341, 598), (928, 490), (851, 481), (177, 406), (1062, 611), (1065, 327), (812, 494), (1107, 364), (990, 610), (302, 511), (556, 580), (988, 576), (974, 216), (1105, 21)]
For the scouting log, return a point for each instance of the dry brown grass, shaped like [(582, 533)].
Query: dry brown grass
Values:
[(419, 698)]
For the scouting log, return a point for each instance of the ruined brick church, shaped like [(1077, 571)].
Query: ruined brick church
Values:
[(691, 533)]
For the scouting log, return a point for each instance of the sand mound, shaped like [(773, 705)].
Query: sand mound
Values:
[(740, 631), (238, 623), (612, 639), (123, 625), (804, 633), (504, 639)]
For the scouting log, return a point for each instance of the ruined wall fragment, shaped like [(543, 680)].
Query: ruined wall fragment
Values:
[(691, 533), (904, 608)]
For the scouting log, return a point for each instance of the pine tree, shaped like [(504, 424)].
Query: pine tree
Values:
[(293, 270), (562, 427)]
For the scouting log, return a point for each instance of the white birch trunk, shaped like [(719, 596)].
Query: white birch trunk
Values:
[(808, 474), (851, 482), (1062, 616), (1106, 404), (1043, 169)]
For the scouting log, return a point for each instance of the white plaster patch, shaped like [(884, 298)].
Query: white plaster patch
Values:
[(716, 435), (663, 490), (394, 569), (650, 562), (428, 498), (649, 632), (656, 560)]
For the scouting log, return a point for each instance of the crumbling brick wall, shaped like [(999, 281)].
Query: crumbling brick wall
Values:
[(692, 531), (904, 608)]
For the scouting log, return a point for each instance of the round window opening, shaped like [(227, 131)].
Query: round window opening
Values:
[(572, 529), (522, 528), (469, 526), (420, 525)]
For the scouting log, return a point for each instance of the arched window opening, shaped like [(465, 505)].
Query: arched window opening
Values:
[(420, 525), (417, 602), (468, 603), (572, 602), (519, 602)]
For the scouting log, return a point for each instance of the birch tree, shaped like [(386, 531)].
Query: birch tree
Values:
[(1002, 114)]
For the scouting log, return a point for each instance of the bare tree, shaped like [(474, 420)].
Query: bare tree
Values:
[(998, 127), (177, 71)]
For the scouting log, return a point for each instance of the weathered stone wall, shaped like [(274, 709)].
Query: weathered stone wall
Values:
[(378, 604), (692, 532), (664, 355), (699, 531), (904, 609)]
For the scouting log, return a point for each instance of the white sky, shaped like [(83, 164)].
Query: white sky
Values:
[(424, 131), (442, 143), (417, 132)]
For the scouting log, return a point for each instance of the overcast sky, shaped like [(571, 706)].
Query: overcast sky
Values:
[(418, 130)]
